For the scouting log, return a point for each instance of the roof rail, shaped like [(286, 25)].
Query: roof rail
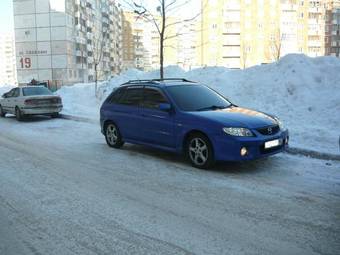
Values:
[(172, 79), (155, 80), (136, 81)]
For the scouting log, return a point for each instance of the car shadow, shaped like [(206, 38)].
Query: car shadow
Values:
[(29, 119), (246, 167)]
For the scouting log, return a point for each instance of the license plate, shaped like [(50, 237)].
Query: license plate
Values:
[(273, 143)]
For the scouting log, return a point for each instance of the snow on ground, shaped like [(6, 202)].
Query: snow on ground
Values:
[(304, 92), (64, 191)]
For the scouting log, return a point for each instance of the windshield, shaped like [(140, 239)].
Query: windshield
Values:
[(197, 98), (36, 91)]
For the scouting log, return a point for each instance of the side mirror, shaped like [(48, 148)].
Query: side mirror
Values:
[(165, 107), (4, 95)]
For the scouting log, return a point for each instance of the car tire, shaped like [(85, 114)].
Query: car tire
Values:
[(112, 136), (55, 115), (2, 113), (200, 151), (18, 115)]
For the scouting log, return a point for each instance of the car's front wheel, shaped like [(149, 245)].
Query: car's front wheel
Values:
[(113, 136), (200, 151), (19, 116), (2, 113)]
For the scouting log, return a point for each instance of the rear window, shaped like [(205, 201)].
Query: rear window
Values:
[(38, 91), (152, 98), (115, 96), (131, 96)]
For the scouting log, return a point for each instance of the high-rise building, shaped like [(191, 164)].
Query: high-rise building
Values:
[(7, 60), (239, 33), (332, 29), (242, 33), (137, 42), (67, 41), (141, 42)]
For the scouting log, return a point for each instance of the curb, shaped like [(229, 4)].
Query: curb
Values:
[(289, 150), (312, 154)]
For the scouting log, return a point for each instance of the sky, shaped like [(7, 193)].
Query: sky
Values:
[(6, 16)]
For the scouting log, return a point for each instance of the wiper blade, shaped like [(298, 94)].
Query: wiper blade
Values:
[(213, 107)]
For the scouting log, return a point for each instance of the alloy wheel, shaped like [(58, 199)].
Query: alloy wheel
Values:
[(198, 151), (112, 134)]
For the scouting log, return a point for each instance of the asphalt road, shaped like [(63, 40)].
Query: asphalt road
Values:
[(63, 191)]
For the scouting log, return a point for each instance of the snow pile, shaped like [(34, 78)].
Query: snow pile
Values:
[(4, 89), (304, 92)]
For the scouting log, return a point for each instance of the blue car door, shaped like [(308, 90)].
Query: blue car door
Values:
[(125, 111), (156, 125)]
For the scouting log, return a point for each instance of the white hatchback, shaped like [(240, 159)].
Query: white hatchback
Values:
[(30, 100)]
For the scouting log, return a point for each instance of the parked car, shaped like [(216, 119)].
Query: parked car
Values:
[(30, 100), (187, 117)]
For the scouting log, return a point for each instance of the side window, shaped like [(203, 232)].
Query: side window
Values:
[(152, 98), (16, 92), (10, 93), (116, 96), (132, 96)]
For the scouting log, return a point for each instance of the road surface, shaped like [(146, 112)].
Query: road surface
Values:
[(63, 191)]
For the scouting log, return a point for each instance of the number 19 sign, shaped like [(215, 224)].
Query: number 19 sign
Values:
[(25, 63)]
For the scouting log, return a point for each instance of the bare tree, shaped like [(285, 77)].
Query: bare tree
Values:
[(97, 51), (98, 45), (276, 45), (160, 21), (245, 54)]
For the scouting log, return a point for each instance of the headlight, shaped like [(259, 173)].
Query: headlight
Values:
[(237, 131), (280, 123)]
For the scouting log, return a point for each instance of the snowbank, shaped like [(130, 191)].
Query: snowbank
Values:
[(304, 92), (4, 89)]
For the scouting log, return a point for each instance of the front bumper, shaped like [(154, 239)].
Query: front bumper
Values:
[(49, 109), (227, 148)]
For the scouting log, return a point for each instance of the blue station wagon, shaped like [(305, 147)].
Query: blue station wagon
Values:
[(189, 118)]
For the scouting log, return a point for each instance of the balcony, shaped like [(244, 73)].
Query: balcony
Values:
[(314, 44), (79, 53), (80, 40), (314, 10)]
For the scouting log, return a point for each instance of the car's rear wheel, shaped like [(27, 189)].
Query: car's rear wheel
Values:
[(200, 151), (2, 113), (18, 114), (113, 136)]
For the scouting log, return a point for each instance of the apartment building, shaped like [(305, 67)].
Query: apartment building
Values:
[(239, 33), (137, 42), (7, 60), (141, 42), (66, 41), (332, 29), (242, 33)]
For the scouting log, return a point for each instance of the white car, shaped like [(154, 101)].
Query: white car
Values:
[(30, 100)]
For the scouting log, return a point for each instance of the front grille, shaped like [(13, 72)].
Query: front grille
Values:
[(271, 130)]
